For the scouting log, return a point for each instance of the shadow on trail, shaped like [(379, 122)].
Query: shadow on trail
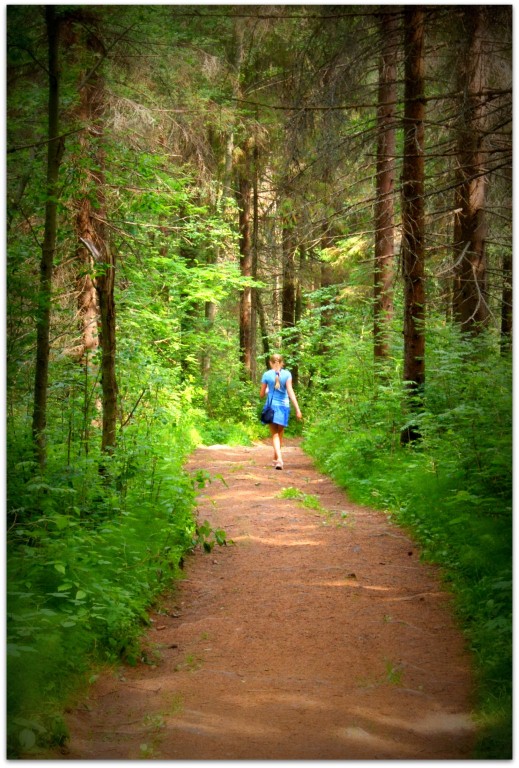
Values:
[(315, 636)]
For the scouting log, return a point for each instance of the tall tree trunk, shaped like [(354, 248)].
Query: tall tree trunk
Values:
[(210, 307), (105, 290), (87, 307), (94, 221), (470, 306), (189, 313), (244, 198), (384, 205), (289, 293), (244, 203), (87, 296), (327, 280), (413, 252), (507, 304), (298, 310), (289, 276), (209, 315), (263, 329), (255, 254), (54, 154)]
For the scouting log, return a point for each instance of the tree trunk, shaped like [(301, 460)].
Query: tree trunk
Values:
[(105, 291), (189, 313), (94, 222), (413, 252), (327, 280), (244, 203), (507, 304), (289, 294), (384, 205), (210, 315), (298, 309), (288, 314), (244, 199), (263, 329), (87, 296), (470, 306), (54, 154), (255, 256)]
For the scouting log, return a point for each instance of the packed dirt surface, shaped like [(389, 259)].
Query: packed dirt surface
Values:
[(318, 634)]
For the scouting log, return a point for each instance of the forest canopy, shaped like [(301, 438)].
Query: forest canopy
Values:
[(190, 188)]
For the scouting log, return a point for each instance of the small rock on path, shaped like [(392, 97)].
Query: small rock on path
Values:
[(318, 635)]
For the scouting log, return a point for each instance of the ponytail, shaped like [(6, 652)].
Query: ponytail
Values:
[(277, 360)]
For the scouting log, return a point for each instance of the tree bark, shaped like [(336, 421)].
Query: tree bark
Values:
[(384, 205), (87, 296), (298, 309), (244, 199), (263, 329), (255, 255), (413, 252), (327, 280), (507, 304), (189, 313), (209, 315), (54, 154), (470, 306), (94, 221), (244, 203), (289, 294), (288, 314), (105, 291)]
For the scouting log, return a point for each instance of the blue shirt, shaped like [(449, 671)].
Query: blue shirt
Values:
[(280, 396)]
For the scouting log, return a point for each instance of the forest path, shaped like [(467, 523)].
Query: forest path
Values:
[(319, 635)]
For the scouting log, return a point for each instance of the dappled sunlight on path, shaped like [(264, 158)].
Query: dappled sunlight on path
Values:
[(317, 635)]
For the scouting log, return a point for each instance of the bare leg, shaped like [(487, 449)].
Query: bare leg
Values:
[(276, 432)]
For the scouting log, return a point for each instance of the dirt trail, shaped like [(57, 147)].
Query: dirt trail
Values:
[(319, 635)]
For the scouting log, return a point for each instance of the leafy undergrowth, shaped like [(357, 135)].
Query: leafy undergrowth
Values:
[(452, 491), (88, 552)]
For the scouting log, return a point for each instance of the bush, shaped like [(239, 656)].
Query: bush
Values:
[(87, 554)]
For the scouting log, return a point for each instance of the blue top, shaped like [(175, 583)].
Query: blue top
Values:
[(280, 396)]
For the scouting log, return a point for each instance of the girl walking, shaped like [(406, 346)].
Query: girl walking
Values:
[(278, 383)]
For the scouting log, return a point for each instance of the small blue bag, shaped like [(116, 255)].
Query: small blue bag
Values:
[(267, 414)]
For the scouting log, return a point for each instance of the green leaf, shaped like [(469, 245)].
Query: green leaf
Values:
[(27, 738), (61, 521), (221, 537), (15, 650)]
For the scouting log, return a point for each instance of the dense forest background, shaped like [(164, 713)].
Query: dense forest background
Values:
[(190, 188)]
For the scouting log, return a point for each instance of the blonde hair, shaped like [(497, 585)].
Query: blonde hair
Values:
[(277, 359)]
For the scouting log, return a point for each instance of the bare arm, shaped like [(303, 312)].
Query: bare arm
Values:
[(293, 398), (263, 389)]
